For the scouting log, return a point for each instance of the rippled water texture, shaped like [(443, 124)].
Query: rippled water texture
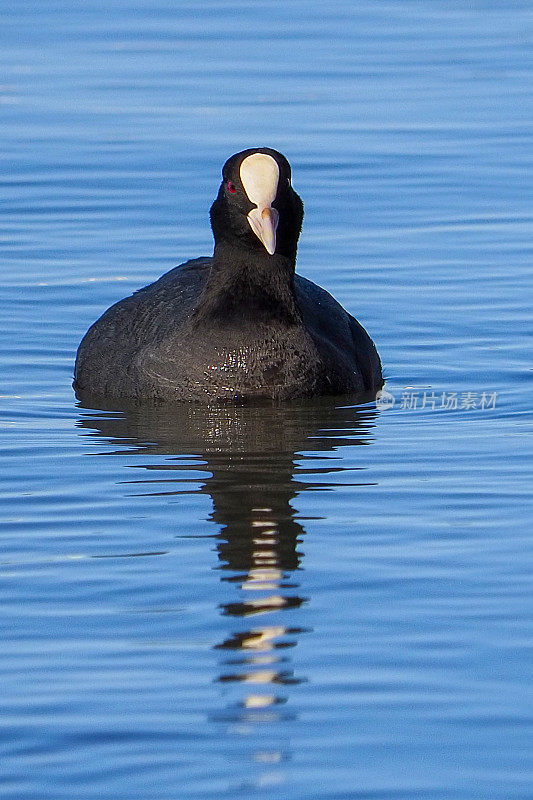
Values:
[(315, 601)]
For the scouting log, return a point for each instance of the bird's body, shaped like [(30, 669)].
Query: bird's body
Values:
[(238, 325)]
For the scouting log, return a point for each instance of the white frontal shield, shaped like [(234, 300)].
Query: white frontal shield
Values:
[(260, 177)]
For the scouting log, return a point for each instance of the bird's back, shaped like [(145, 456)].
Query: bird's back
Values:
[(342, 341), (107, 363)]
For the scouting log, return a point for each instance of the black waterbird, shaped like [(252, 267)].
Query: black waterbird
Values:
[(236, 326)]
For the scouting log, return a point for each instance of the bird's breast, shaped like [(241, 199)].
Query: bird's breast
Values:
[(272, 365)]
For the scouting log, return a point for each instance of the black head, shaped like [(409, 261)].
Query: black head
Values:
[(256, 209)]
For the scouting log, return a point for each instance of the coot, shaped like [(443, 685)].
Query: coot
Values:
[(238, 325)]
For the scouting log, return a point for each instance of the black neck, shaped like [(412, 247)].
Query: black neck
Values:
[(249, 285)]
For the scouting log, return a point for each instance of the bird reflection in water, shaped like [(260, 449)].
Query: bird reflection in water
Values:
[(251, 456)]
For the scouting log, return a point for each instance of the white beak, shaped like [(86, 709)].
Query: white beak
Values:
[(259, 177), (264, 222)]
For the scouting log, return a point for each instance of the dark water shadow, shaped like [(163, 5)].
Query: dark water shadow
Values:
[(254, 461)]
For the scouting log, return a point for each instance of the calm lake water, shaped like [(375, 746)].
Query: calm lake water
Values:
[(313, 601)]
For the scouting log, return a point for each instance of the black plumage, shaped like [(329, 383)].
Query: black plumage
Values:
[(236, 326)]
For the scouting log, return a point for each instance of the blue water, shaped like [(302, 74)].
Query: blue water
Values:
[(315, 601)]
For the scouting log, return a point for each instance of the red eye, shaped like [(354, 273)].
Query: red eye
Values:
[(231, 187)]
